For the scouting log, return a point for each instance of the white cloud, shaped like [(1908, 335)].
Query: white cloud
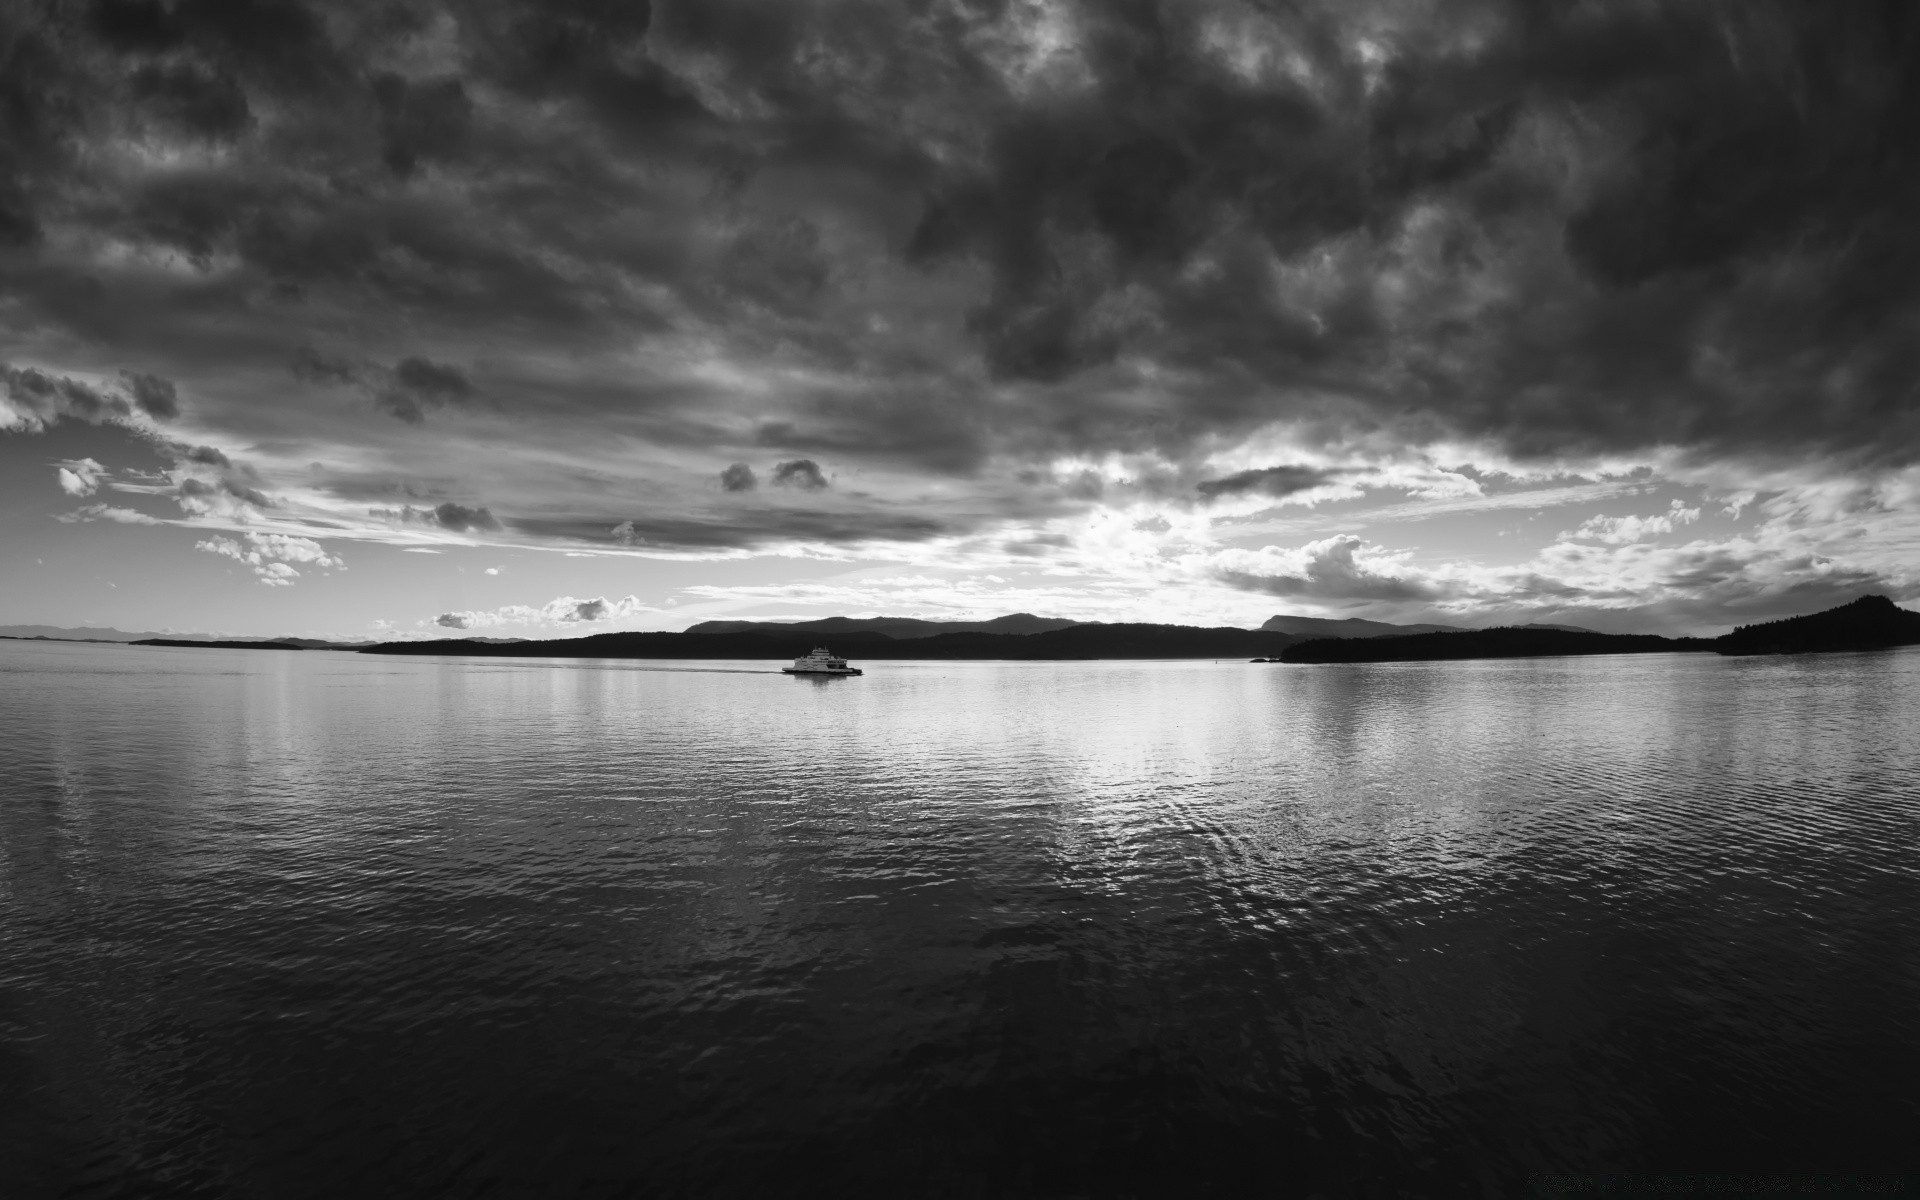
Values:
[(1341, 568), (492, 571), (1618, 531), (107, 512), (80, 476), (272, 555), (562, 610)]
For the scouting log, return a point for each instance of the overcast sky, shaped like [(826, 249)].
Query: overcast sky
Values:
[(390, 318)]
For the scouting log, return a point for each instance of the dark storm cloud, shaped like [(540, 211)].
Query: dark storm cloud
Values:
[(421, 121), (739, 478), (156, 397), (460, 519), (311, 366), (802, 473), (406, 391), (42, 398), (1268, 481), (192, 98), (456, 518), (203, 455), (419, 385), (953, 237), (195, 495)]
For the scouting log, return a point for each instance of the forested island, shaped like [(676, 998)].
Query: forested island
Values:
[(1869, 623)]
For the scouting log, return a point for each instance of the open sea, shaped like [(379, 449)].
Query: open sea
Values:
[(333, 925)]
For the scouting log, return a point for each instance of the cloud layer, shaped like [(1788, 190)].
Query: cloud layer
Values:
[(719, 277)]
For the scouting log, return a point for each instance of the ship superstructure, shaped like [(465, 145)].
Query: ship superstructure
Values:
[(821, 662)]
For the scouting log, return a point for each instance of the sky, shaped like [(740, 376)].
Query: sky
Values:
[(407, 319)]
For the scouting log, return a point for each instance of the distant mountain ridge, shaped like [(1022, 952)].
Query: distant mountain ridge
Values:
[(222, 644), (57, 633), (1348, 627), (1358, 627), (893, 627)]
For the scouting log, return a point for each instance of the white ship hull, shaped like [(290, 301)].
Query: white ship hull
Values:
[(821, 662)]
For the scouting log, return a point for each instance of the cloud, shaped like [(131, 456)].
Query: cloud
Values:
[(738, 477), (80, 476), (35, 399), (312, 366), (1335, 569), (272, 555), (206, 456), (406, 391), (1620, 530), (417, 385), (491, 571), (460, 519), (156, 397), (108, 512), (563, 610), (1268, 481), (947, 243), (225, 497), (32, 399), (802, 473), (453, 517)]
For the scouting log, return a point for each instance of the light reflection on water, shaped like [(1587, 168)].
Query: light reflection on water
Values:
[(316, 924)]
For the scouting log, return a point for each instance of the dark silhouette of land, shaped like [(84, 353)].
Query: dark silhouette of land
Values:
[(894, 627), (1348, 627), (199, 644), (57, 633), (1086, 641), (1511, 642), (61, 633), (1357, 627), (1869, 623)]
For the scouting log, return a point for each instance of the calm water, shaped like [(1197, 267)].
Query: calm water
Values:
[(280, 925)]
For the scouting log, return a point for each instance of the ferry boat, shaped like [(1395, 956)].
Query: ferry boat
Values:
[(821, 662)]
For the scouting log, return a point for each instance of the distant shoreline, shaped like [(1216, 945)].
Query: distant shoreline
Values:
[(1871, 622)]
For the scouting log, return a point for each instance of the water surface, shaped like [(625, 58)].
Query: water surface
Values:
[(314, 924)]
